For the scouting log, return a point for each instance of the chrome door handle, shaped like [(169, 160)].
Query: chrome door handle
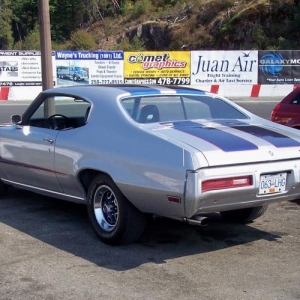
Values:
[(50, 141)]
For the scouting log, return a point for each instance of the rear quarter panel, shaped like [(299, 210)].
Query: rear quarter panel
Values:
[(145, 167)]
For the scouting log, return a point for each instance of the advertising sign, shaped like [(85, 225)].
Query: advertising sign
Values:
[(89, 67), (160, 67), (20, 68), (224, 67), (279, 67)]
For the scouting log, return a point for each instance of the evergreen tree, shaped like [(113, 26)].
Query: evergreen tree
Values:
[(6, 38)]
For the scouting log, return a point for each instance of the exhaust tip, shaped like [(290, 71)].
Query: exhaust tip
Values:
[(198, 221), (203, 220)]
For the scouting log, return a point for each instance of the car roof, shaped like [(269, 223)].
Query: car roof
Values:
[(123, 89)]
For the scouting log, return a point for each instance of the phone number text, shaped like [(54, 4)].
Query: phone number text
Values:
[(106, 81), (161, 80)]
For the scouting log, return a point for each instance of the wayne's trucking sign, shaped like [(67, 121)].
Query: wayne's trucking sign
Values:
[(89, 67), (161, 67)]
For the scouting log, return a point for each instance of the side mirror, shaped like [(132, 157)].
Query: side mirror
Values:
[(15, 119)]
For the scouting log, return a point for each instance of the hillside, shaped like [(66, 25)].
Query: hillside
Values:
[(206, 24), (154, 24)]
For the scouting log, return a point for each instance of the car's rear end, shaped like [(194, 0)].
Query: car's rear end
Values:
[(248, 164), (241, 186)]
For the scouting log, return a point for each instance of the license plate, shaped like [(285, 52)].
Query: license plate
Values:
[(272, 183)]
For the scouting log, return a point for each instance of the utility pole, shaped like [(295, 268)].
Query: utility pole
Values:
[(46, 52)]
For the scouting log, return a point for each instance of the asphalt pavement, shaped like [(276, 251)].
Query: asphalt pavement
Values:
[(49, 251)]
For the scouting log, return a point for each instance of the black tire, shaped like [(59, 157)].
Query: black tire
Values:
[(3, 188), (245, 215), (114, 219)]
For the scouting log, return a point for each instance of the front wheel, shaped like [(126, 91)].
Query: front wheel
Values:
[(244, 215), (114, 219)]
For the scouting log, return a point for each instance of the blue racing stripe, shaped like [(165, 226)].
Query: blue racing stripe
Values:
[(144, 90), (221, 139), (186, 90), (277, 139), (190, 92)]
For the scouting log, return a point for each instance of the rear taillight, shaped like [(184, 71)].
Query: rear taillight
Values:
[(226, 183), (275, 110)]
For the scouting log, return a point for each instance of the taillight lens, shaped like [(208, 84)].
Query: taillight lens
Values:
[(226, 183)]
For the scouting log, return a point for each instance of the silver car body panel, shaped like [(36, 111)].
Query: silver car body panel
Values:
[(152, 162)]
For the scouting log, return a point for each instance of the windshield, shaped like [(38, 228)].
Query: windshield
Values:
[(151, 109)]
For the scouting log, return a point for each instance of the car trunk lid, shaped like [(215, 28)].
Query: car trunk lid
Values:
[(227, 142)]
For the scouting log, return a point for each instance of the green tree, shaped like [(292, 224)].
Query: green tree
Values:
[(6, 37), (31, 41), (259, 36), (66, 16), (82, 40), (24, 17)]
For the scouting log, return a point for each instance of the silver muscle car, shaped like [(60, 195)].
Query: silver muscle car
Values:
[(127, 151)]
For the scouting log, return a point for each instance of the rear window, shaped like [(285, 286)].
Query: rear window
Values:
[(296, 100), (174, 108)]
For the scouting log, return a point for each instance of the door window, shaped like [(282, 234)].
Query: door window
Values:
[(60, 113)]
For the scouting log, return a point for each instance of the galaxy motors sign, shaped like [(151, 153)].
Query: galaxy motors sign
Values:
[(279, 67)]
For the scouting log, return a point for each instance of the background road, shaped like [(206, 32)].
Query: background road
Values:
[(49, 251)]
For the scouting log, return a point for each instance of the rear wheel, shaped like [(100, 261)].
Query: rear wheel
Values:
[(114, 219), (245, 215), (3, 188)]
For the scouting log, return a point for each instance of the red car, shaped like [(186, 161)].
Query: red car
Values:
[(287, 112)]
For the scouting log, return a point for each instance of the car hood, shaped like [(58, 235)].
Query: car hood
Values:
[(233, 142)]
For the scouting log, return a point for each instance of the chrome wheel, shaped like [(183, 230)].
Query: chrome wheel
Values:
[(106, 208), (114, 219)]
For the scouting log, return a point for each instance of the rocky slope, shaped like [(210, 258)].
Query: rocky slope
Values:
[(215, 24)]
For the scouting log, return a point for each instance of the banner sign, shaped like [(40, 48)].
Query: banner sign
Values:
[(20, 68), (160, 67), (279, 67), (223, 67), (238, 67), (89, 67)]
